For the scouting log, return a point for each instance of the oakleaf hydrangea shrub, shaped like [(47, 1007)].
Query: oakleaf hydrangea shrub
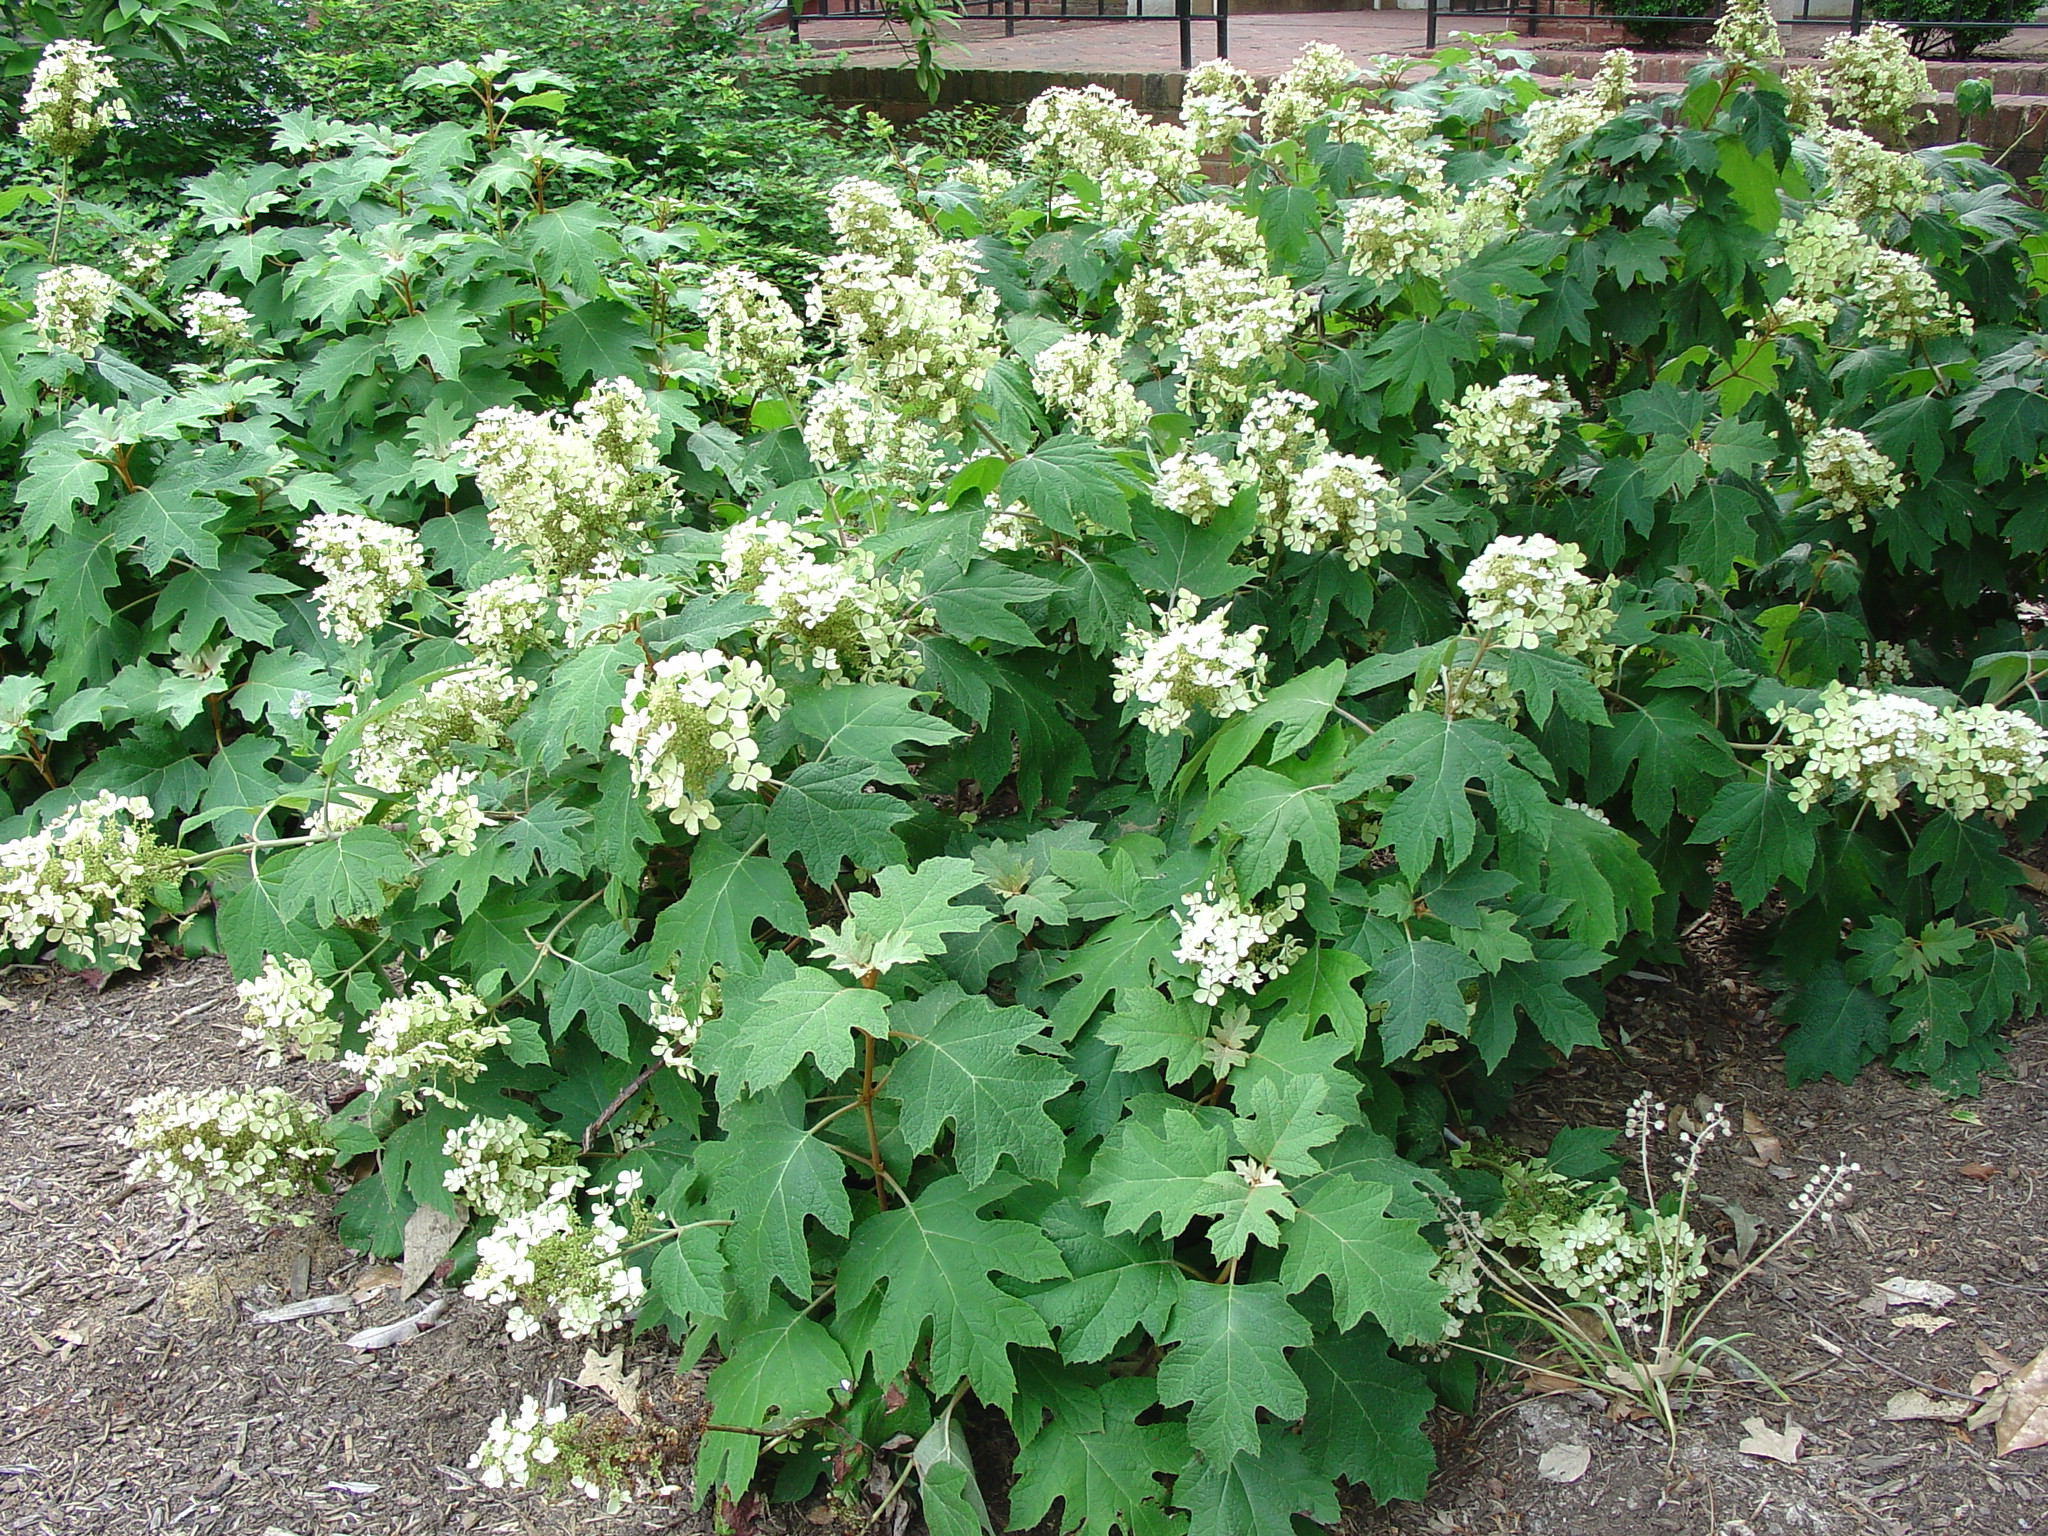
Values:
[(956, 840)]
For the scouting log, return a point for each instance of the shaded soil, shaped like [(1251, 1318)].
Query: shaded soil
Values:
[(137, 1396), (1950, 1192)]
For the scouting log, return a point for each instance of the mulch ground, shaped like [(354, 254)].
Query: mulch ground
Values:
[(136, 1396)]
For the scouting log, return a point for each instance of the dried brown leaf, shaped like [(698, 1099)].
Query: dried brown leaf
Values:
[(1902, 1292), (1915, 1404), (1777, 1445), (429, 1234), (2023, 1424), (1926, 1322), (607, 1374), (1565, 1463)]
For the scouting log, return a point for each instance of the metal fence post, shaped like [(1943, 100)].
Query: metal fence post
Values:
[(1184, 10), (1428, 30), (1855, 17)]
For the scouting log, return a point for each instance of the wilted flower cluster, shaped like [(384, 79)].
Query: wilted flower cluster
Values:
[(409, 744), (689, 718), (752, 331), (1499, 430), (69, 99), (1344, 504), (1313, 85), (1196, 485), (908, 310), (504, 619), (1216, 104), (554, 1448), (447, 815), (364, 567), (552, 1260), (286, 1009), (840, 617), (71, 308), (504, 1167), (1082, 374), (1393, 239), (1873, 76), (1190, 664), (81, 881), (679, 1015), (568, 489), (1747, 33), (1523, 591), (1232, 944), (216, 319), (1850, 475), (1963, 759), (261, 1148), (1095, 133), (428, 1033)]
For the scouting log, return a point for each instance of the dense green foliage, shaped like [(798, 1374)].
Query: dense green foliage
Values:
[(1922, 21), (985, 1115)]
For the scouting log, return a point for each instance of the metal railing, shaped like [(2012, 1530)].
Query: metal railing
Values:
[(1010, 12), (1529, 15)]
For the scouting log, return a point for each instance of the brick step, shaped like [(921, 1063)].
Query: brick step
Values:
[(2004, 79)]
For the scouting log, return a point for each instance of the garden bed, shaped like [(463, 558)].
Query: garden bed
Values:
[(137, 1396)]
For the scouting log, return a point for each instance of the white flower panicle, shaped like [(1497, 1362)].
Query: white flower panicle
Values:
[(841, 618), (80, 883), (502, 620), (1873, 77), (848, 426), (990, 182), (1865, 178), (71, 308), (1344, 504), (262, 1149), (1827, 1191), (1311, 88), (551, 1260), (1963, 759), (568, 489), (1216, 104), (1747, 34), (555, 1449), (447, 813), (1233, 945), (364, 567), (1499, 430), (1082, 375), (1189, 234), (688, 718), (1394, 239), (1552, 123), (412, 743), (70, 99), (1136, 163), (1885, 664), (216, 320), (1278, 439), (1395, 141), (1196, 485), (1896, 298), (752, 331), (869, 219), (505, 1167), (909, 311), (1190, 664), (1849, 474), (285, 1006), (428, 1033), (679, 1015), (1521, 592)]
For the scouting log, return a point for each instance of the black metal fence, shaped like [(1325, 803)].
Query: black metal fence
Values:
[(1183, 13), (1528, 16)]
